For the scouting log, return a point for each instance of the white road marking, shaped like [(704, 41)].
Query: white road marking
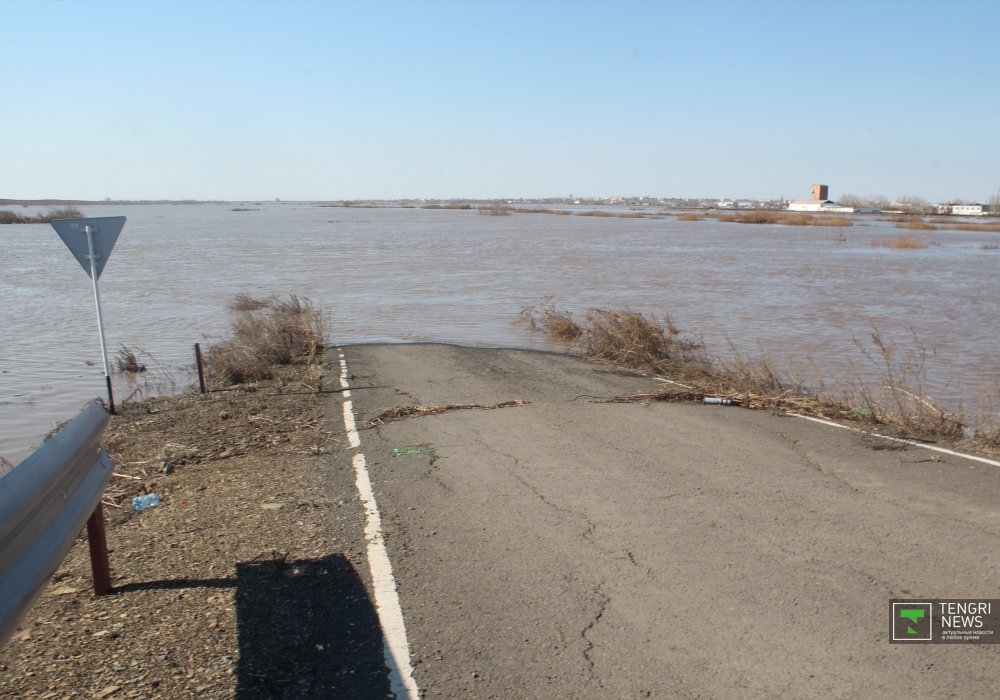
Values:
[(395, 646), (353, 439), (912, 443)]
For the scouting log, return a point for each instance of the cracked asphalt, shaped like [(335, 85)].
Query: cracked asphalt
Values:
[(568, 548)]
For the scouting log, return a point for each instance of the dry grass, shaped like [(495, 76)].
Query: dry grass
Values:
[(986, 430), (899, 243), (400, 412), (265, 333), (899, 398), (691, 217), (896, 403)]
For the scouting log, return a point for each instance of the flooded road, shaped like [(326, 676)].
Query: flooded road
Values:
[(797, 294)]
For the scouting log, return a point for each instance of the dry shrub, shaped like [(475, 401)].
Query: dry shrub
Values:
[(558, 325), (899, 243), (266, 333), (126, 361), (624, 338), (629, 339), (245, 302)]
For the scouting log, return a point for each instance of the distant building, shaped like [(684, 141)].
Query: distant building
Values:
[(966, 209), (819, 202)]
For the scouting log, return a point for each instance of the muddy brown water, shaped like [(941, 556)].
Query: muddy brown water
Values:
[(797, 294)]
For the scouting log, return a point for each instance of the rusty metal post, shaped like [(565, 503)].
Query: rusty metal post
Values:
[(111, 397), (98, 541), (201, 366)]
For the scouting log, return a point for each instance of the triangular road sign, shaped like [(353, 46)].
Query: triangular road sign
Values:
[(104, 231)]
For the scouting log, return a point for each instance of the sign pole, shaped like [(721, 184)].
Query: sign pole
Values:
[(89, 231), (92, 252)]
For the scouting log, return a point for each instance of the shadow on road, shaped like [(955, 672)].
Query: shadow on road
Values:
[(307, 629)]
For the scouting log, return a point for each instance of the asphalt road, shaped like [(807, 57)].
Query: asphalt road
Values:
[(568, 548)]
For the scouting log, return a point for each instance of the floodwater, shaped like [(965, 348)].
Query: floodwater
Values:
[(797, 294)]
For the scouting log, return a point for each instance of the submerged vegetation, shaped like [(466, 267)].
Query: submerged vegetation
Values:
[(916, 225), (495, 209), (899, 243), (895, 404), (786, 218), (10, 217)]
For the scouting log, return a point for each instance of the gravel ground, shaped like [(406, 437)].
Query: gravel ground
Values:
[(248, 580)]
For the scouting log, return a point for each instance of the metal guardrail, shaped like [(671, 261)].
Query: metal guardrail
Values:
[(44, 502)]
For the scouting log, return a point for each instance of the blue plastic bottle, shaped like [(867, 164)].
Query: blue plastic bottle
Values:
[(145, 502)]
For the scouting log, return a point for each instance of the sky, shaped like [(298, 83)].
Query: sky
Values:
[(335, 100)]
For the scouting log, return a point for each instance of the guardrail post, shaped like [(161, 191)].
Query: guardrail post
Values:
[(98, 541)]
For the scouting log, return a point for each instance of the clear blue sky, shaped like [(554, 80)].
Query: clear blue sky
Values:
[(300, 99)]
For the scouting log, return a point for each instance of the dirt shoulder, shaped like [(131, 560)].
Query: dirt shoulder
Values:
[(247, 579)]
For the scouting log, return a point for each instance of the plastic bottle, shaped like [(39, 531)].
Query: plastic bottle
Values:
[(716, 400), (145, 502)]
